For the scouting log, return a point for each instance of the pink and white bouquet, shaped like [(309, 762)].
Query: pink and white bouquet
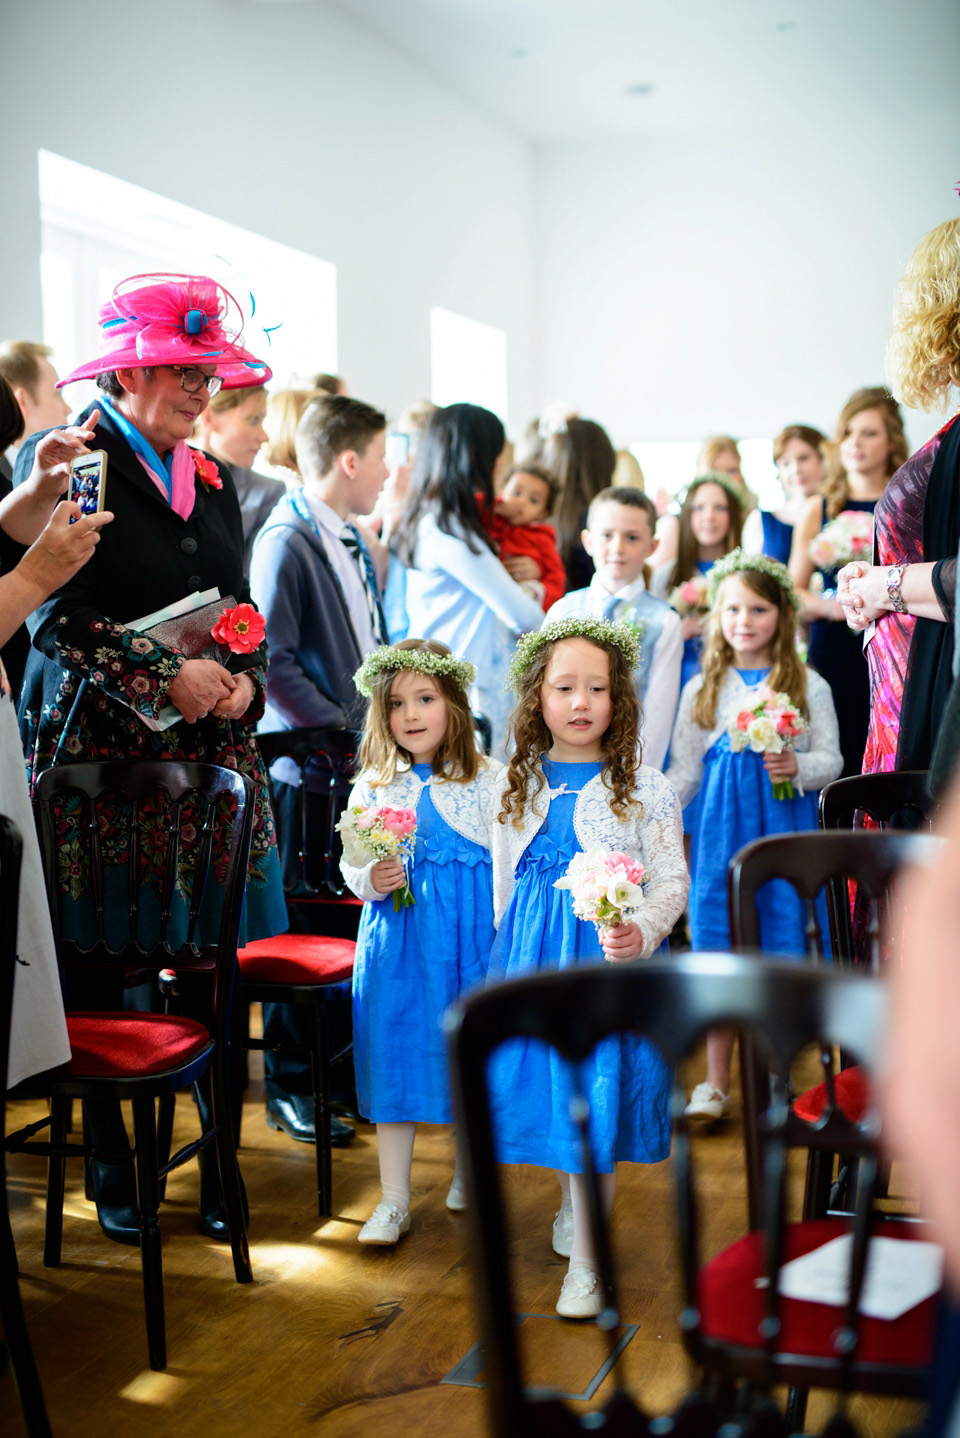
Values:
[(606, 886), (848, 537), (769, 726), (690, 597), (384, 833)]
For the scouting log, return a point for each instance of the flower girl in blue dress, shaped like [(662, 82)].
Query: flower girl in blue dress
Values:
[(413, 959), (750, 650), (575, 781)]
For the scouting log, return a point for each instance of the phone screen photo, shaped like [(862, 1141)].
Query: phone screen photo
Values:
[(88, 473), (397, 449)]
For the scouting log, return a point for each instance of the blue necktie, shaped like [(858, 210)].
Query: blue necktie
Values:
[(610, 607), (350, 539)]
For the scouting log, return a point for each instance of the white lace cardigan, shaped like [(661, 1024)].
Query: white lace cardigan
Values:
[(468, 809), (818, 749), (651, 832)]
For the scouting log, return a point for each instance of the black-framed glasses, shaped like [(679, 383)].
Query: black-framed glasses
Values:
[(193, 380)]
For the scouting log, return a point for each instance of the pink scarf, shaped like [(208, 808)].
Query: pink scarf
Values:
[(184, 482)]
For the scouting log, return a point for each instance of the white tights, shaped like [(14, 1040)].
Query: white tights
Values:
[(573, 1188), (395, 1153)]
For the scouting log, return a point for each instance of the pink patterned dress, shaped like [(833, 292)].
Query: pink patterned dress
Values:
[(898, 538)]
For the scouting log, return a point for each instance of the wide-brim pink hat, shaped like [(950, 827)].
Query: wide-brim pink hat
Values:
[(164, 319)]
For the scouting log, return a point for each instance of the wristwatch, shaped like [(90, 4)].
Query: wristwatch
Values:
[(894, 580)]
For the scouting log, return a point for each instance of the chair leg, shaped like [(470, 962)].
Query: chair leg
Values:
[(15, 1332), (148, 1197), (319, 1069), (166, 1109), (56, 1181), (230, 1173), (796, 1410), (817, 1184)]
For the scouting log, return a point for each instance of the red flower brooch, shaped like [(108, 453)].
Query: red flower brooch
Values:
[(207, 471), (241, 629)]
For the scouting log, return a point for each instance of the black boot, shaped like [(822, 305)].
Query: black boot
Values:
[(114, 1184), (115, 1192), (213, 1214)]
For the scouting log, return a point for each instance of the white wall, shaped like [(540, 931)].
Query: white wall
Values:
[(670, 287), (733, 282), (293, 122)]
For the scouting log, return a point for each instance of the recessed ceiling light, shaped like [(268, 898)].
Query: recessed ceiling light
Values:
[(786, 25), (520, 54), (643, 87)]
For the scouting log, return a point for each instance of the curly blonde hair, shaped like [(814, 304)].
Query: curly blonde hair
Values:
[(836, 487), (923, 351), (788, 673), (456, 758), (619, 754)]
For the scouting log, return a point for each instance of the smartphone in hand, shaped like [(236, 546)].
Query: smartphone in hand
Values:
[(88, 481)]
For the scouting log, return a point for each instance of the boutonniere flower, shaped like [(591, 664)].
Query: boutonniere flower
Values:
[(241, 629), (207, 472)]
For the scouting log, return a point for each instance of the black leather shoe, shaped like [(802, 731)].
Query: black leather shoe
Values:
[(114, 1189), (340, 1133), (293, 1115)]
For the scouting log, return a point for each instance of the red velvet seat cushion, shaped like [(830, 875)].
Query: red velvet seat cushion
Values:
[(120, 1045), (732, 1306), (853, 1097), (297, 959)]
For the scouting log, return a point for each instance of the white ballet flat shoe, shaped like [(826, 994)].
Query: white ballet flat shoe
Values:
[(385, 1226)]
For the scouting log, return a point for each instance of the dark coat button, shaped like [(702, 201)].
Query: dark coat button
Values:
[(193, 582), (188, 545)]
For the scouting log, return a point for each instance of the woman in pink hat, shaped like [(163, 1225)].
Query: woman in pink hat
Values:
[(91, 681)]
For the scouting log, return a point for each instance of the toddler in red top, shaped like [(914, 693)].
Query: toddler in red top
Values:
[(516, 528)]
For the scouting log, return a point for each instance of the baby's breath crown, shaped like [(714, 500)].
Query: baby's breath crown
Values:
[(716, 476), (422, 661), (736, 561), (578, 626)]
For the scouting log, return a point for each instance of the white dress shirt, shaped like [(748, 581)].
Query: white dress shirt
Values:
[(345, 568)]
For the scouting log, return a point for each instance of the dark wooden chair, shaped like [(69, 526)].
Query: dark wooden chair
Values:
[(736, 1325), (304, 967), (180, 918), (15, 1335), (811, 862), (898, 800)]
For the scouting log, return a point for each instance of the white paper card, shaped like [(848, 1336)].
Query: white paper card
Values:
[(900, 1273)]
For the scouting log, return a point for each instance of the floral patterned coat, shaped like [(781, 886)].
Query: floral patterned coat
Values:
[(147, 558)]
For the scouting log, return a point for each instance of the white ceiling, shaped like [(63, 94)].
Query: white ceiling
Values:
[(559, 70)]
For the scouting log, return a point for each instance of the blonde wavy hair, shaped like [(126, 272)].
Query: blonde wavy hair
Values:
[(456, 759), (836, 487), (923, 351), (619, 754), (788, 673)]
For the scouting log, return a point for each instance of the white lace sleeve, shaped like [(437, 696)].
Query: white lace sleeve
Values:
[(819, 760), (358, 880), (688, 746), (661, 846)]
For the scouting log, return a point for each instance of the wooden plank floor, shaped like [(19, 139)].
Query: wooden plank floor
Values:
[(332, 1338)]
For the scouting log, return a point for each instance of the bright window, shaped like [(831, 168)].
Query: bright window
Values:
[(468, 362), (97, 230), (671, 464)]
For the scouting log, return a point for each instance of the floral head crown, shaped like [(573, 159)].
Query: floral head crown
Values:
[(714, 476), (579, 626), (390, 659), (736, 561)]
